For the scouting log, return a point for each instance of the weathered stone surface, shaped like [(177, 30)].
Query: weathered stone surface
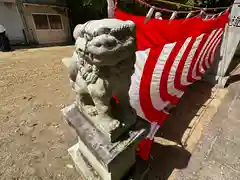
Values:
[(100, 73), (103, 156), (84, 168), (96, 141), (101, 67), (217, 155)]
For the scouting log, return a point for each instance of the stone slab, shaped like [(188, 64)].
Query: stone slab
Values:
[(125, 123), (115, 170), (217, 154), (83, 167), (111, 161), (96, 141)]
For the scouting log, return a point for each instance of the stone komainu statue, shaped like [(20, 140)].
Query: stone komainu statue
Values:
[(101, 67)]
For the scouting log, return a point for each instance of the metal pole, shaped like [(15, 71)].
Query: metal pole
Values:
[(110, 8), (218, 73), (19, 5)]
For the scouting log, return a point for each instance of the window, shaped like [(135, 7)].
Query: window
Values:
[(43, 21), (55, 21)]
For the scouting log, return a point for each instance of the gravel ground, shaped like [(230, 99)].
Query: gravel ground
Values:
[(33, 136)]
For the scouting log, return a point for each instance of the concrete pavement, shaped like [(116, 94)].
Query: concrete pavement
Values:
[(217, 155)]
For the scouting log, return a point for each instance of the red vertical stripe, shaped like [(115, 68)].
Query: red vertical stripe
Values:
[(190, 77), (148, 109), (177, 81), (211, 50), (165, 96), (204, 51), (211, 58)]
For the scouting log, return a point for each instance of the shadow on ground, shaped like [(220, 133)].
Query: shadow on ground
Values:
[(165, 158), (233, 71), (178, 121), (233, 79), (26, 47)]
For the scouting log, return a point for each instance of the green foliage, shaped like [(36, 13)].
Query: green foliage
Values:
[(95, 5), (213, 3), (134, 7), (85, 10)]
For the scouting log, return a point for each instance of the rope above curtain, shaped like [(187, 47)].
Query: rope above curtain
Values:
[(171, 55), (194, 9)]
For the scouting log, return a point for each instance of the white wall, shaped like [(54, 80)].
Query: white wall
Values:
[(238, 50), (11, 20), (47, 36), (12, 1)]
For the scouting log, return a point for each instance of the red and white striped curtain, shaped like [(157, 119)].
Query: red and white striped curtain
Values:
[(171, 54)]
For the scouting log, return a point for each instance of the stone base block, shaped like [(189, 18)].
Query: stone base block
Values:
[(83, 167), (126, 121), (218, 81), (96, 157)]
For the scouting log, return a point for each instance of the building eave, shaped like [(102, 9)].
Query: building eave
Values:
[(45, 5)]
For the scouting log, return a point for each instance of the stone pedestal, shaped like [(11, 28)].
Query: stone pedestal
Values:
[(94, 155), (107, 127)]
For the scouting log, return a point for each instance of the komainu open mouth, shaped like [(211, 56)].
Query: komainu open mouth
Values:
[(107, 43)]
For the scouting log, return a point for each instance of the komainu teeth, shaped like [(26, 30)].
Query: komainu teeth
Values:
[(114, 31)]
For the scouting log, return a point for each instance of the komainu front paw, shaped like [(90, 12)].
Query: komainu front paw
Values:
[(114, 124), (91, 110)]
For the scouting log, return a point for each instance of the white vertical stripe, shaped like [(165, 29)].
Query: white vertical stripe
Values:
[(202, 51), (205, 51), (188, 62), (213, 46), (213, 54), (209, 49), (157, 102), (141, 57), (154, 128), (171, 88)]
